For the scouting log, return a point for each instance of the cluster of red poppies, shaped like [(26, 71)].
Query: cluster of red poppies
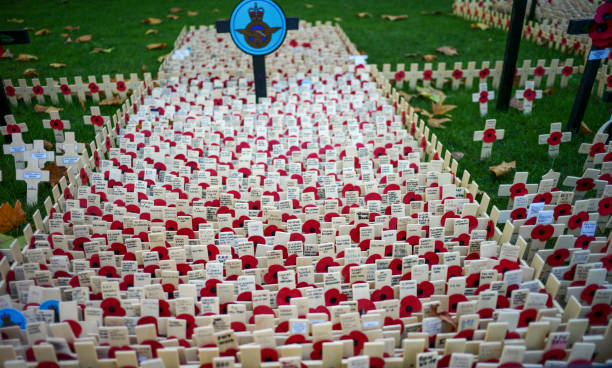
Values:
[(601, 31)]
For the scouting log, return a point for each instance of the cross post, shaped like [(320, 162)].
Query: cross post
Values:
[(256, 31), (11, 37)]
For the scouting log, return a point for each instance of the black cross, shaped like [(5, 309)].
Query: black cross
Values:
[(582, 26), (513, 42), (11, 37), (259, 61)]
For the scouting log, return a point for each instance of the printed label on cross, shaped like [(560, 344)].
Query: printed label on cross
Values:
[(96, 119), (528, 95), (72, 150), (518, 188), (488, 136), (18, 150), (598, 146), (39, 153), (258, 28), (588, 181), (554, 139), (483, 97), (12, 127), (32, 175), (58, 125)]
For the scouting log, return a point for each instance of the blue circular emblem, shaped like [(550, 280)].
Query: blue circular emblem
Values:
[(12, 317), (53, 305), (258, 27)]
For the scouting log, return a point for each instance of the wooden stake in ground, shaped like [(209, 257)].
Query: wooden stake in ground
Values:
[(488, 136), (554, 139), (528, 95)]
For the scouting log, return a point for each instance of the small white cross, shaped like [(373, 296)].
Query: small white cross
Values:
[(514, 190), (588, 180), (554, 139), (592, 150), (18, 150), (39, 153), (12, 127), (488, 136), (58, 125), (72, 151), (32, 175), (96, 119), (528, 95), (483, 97)]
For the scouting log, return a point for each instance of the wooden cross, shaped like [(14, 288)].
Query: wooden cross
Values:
[(483, 97), (57, 124), (528, 95), (518, 188), (12, 127), (554, 139), (259, 61), (32, 175), (583, 26), (488, 136), (96, 119), (11, 37), (17, 148), (586, 182), (592, 149), (72, 150), (39, 153)]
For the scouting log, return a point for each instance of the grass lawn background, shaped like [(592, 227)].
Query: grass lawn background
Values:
[(116, 24)]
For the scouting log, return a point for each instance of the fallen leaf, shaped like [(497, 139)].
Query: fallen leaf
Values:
[(48, 146), (71, 28), (15, 20), (172, 16), (115, 100), (151, 31), (548, 92), (30, 28), (191, 13), (30, 72), (156, 46), (65, 35), (481, 26), (444, 316), (11, 217), (411, 54), (431, 93), (151, 21), (55, 173), (585, 129), (215, 10), (143, 69), (393, 18), (437, 12), (423, 112), (68, 40), (338, 19), (363, 15), (46, 109), (407, 96), (439, 109), (83, 38), (438, 123), (26, 57), (6, 54), (42, 32), (57, 65), (429, 57), (457, 155), (162, 57), (97, 50), (309, 6), (175, 10), (516, 103), (447, 50), (503, 168)]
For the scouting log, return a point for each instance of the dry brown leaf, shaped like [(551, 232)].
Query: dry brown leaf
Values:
[(411, 54), (338, 19), (172, 16), (156, 46), (84, 38), (115, 100), (55, 173), (151, 31), (57, 65), (162, 57), (176, 10), (393, 18), (548, 92), (439, 109), (444, 316), (42, 32), (30, 72), (431, 93), (429, 57), (309, 6), (215, 10), (65, 35), (46, 109), (97, 50), (151, 21), (407, 96), (191, 13), (11, 217), (481, 26), (585, 129), (503, 168), (47, 145), (447, 50), (438, 123), (26, 57), (143, 69), (424, 112), (363, 15), (6, 54), (15, 20), (516, 103), (70, 28)]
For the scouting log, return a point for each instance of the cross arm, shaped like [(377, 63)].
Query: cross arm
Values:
[(223, 25), (14, 36)]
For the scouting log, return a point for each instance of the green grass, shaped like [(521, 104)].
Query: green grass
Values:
[(116, 24)]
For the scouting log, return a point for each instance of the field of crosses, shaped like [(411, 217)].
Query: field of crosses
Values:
[(322, 227)]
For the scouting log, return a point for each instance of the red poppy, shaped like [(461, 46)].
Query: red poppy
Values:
[(425, 289), (506, 265), (604, 206), (484, 97), (408, 305), (527, 316), (431, 258), (334, 297), (210, 287), (384, 293), (427, 74), (284, 295), (10, 91), (271, 277), (38, 90), (539, 71), (93, 88), (542, 232), (554, 354), (554, 138), (190, 323), (457, 74), (324, 264), (411, 196), (164, 308), (585, 184), (567, 70), (112, 307), (293, 43), (311, 227), (399, 76), (502, 302), (396, 266), (463, 239), (599, 313), (588, 293), (317, 350), (601, 34), (108, 272), (376, 362), (269, 355), (518, 214), (583, 241), (529, 94), (484, 73), (489, 135), (454, 300), (120, 86), (97, 120), (562, 210), (365, 305), (473, 280), (558, 257), (295, 339), (607, 262), (359, 339), (453, 271), (576, 220), (518, 190), (390, 322), (65, 89)]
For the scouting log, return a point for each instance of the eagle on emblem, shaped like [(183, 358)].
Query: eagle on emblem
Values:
[(257, 33)]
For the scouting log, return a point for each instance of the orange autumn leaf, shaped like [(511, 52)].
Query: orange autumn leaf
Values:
[(393, 18), (156, 46), (26, 57), (151, 31), (175, 10), (42, 32), (71, 28), (11, 217), (440, 109), (84, 38), (172, 16), (151, 21), (447, 50), (55, 173), (503, 168)]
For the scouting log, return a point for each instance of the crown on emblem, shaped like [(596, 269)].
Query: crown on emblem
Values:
[(256, 13)]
